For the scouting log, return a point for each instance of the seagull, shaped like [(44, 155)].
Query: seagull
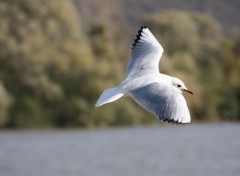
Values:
[(157, 93)]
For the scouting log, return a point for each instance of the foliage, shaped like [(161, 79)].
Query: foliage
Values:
[(52, 72), (127, 15), (49, 68), (39, 40), (5, 103)]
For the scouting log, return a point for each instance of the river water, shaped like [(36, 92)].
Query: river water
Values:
[(171, 150)]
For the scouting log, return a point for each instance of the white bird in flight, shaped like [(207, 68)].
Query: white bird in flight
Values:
[(158, 93)]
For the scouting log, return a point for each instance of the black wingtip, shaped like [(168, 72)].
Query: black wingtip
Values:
[(138, 36), (143, 27), (172, 121)]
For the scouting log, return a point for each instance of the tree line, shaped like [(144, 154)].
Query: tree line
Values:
[(52, 72)]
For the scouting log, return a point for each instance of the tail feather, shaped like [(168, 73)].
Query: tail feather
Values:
[(110, 95)]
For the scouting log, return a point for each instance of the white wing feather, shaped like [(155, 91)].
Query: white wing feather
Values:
[(146, 53), (163, 101)]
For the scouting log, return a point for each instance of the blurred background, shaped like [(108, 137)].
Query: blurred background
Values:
[(57, 56)]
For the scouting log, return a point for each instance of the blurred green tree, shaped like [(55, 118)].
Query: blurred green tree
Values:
[(52, 72), (5, 102), (42, 46)]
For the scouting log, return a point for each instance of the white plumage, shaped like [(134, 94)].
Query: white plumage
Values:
[(157, 93)]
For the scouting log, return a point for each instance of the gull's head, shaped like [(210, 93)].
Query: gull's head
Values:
[(180, 85)]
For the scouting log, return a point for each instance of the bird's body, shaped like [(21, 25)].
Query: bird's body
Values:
[(156, 92), (143, 78)]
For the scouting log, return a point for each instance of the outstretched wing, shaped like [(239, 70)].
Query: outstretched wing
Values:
[(146, 53), (163, 101)]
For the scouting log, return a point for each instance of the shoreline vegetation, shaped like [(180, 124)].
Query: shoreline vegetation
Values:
[(53, 66)]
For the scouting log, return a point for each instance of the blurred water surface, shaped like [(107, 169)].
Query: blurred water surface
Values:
[(170, 150)]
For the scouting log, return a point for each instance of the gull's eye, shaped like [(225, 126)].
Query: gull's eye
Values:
[(178, 85)]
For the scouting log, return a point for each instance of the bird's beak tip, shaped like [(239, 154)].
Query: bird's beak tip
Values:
[(189, 91)]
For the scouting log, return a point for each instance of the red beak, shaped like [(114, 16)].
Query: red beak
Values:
[(189, 91)]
